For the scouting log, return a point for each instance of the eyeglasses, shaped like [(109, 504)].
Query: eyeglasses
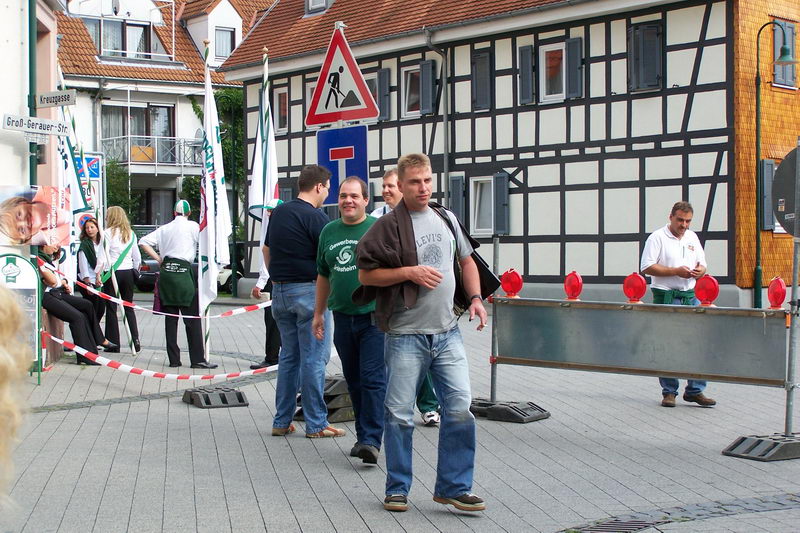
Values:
[(326, 185)]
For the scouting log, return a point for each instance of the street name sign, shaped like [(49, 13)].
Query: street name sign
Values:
[(38, 125), (57, 98)]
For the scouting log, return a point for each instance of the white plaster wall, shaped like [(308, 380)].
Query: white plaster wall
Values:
[(223, 15), (657, 205), (545, 213), (683, 25), (712, 65), (581, 212), (14, 64), (526, 128), (597, 36), (708, 111), (663, 167), (646, 117), (621, 211), (702, 164), (676, 107), (544, 175), (597, 76), (581, 172), (544, 258), (597, 131), (483, 133), (620, 258), (679, 67), (504, 92), (186, 121), (129, 9), (621, 170), (504, 125), (717, 257), (554, 130), (83, 111), (619, 37), (582, 258), (716, 22), (577, 120)]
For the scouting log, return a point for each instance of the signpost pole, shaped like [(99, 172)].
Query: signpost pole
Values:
[(792, 355), (493, 358)]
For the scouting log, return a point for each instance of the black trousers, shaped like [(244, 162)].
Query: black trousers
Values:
[(272, 343), (98, 303), (125, 283), (194, 332), (79, 314)]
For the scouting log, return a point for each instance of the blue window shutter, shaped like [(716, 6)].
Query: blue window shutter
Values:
[(651, 54), (633, 65), (481, 81), (526, 93), (427, 87), (574, 68), (502, 221), (767, 176), (384, 94), (779, 71), (457, 196), (790, 71)]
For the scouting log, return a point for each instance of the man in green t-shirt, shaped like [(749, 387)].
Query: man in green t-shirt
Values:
[(357, 340)]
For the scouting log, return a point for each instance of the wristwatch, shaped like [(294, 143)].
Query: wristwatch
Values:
[(478, 296)]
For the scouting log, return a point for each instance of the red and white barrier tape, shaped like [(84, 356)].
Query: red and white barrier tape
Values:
[(116, 365), (125, 303)]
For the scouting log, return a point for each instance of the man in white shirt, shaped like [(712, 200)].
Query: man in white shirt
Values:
[(177, 284), (674, 259), (391, 194)]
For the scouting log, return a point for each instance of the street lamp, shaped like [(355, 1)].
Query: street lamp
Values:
[(785, 58)]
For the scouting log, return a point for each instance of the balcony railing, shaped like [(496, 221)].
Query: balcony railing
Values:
[(144, 150)]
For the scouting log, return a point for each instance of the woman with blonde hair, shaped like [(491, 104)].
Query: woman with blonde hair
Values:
[(15, 356), (122, 257)]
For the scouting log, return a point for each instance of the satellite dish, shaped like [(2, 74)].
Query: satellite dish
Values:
[(115, 7)]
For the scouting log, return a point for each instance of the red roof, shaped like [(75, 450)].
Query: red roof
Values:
[(286, 31)]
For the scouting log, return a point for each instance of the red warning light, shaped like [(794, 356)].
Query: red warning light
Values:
[(776, 293), (573, 285), (634, 288), (706, 290), (511, 282)]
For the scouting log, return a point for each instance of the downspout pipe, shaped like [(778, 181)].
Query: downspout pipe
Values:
[(445, 115), (32, 36)]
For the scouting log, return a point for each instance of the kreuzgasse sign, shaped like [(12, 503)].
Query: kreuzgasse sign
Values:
[(35, 125), (57, 98)]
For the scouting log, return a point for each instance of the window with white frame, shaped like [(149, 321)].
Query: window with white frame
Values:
[(372, 84), (224, 42), (411, 91), (553, 74), (310, 86), (482, 203), (313, 6), (122, 38), (280, 109)]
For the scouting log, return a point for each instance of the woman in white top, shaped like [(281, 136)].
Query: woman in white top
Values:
[(90, 263), (122, 257)]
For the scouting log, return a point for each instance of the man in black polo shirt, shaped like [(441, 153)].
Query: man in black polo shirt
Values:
[(290, 253)]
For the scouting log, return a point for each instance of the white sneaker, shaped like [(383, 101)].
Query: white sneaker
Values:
[(431, 418)]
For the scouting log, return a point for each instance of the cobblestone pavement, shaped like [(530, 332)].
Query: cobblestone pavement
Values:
[(107, 451)]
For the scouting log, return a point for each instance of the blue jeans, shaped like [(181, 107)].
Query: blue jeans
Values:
[(302, 359), (693, 386), (360, 347), (670, 386), (408, 358)]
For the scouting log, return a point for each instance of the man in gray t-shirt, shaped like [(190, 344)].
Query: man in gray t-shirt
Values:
[(425, 337), (436, 245)]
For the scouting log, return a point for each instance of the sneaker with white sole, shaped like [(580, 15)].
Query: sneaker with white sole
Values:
[(431, 418)]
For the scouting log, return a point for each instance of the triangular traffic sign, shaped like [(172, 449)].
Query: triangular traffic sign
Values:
[(341, 92)]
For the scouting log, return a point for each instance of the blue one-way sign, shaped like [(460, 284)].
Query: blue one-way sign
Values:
[(343, 151)]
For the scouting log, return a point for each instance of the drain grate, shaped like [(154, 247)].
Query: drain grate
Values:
[(621, 526)]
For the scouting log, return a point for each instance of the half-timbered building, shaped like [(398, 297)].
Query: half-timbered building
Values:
[(568, 127)]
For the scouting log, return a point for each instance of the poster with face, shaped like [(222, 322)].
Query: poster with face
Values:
[(35, 216)]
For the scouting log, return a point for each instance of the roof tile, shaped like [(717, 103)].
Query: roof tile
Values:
[(286, 31)]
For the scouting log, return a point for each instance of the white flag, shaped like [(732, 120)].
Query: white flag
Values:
[(215, 218), (264, 176), (70, 148)]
